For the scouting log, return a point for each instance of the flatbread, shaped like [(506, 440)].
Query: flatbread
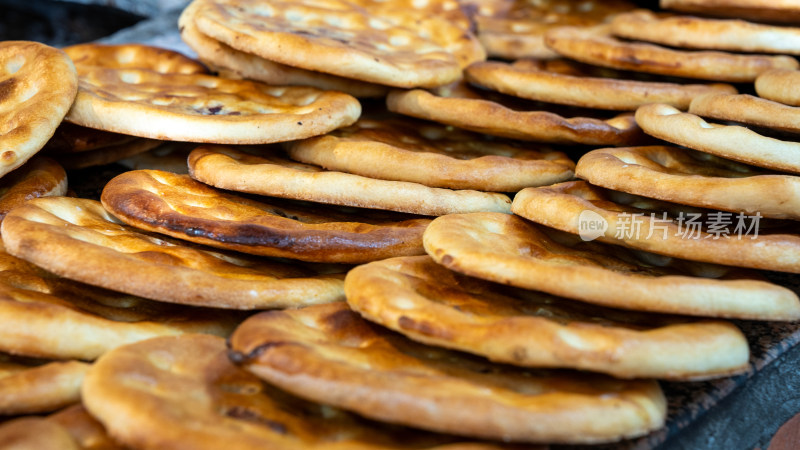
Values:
[(39, 309), (512, 29), (597, 46), (35, 433), (37, 86), (692, 178), (461, 107), (181, 207), (511, 251), (735, 241), (433, 155), (711, 34), (271, 174), (563, 83), (392, 43), (27, 388), (70, 138), (39, 177), (232, 63), (133, 56), (726, 141), (106, 155), (781, 11), (78, 239), (84, 429), (203, 108), (333, 356), (749, 110), (185, 392), (170, 157), (779, 86), (431, 304)]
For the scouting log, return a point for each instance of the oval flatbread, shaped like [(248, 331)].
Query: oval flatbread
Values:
[(597, 46), (132, 56), (28, 387), (333, 356), (779, 86), (37, 86), (667, 229), (78, 239), (181, 207), (36, 433), (748, 110), (106, 155), (509, 250), (84, 429), (70, 138), (270, 174), (786, 11), (462, 107), (726, 141), (692, 178), (39, 177), (548, 82), (431, 304), (186, 392), (433, 155)]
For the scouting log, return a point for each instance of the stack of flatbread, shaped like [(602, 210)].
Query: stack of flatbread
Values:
[(343, 228)]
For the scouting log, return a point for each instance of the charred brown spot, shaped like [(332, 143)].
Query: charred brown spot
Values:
[(8, 156), (242, 413), (341, 319), (243, 358), (6, 88)]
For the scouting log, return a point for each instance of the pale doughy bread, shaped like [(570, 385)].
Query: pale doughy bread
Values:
[(510, 250), (597, 46), (779, 86), (431, 304), (78, 239), (748, 110), (271, 174), (195, 397), (692, 178), (546, 81), (36, 388), (331, 355), (35, 433), (560, 206), (37, 86), (433, 155), (727, 141)]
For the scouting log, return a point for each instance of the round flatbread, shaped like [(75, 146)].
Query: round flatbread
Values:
[(692, 178), (597, 46), (509, 250), (701, 33), (181, 207), (271, 174), (727, 141), (511, 29), (39, 177), (748, 110), (783, 11), (203, 108), (232, 63), (196, 398), (779, 86), (37, 86), (429, 303), (78, 239), (106, 155), (132, 56), (461, 107), (70, 138), (659, 227), (36, 433), (333, 356), (563, 83), (393, 43), (170, 157), (84, 429), (433, 155), (30, 388)]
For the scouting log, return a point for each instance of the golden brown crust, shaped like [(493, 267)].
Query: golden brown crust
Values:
[(35, 433), (597, 46), (560, 206), (489, 117), (700, 33), (430, 304), (331, 355), (84, 429), (779, 11), (132, 56), (32, 389), (727, 141), (509, 250), (389, 43), (535, 80), (106, 155), (433, 155), (37, 86), (779, 86), (274, 175), (749, 110), (692, 178), (39, 177), (181, 207), (203, 108), (78, 239), (194, 397)]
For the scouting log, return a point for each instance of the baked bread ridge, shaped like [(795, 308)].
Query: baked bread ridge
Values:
[(28, 389), (330, 354)]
